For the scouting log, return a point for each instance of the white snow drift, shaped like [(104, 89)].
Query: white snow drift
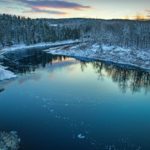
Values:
[(6, 74)]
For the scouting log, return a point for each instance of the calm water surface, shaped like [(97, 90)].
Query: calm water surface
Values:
[(59, 103)]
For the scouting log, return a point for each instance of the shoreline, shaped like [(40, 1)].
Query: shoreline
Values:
[(45, 45), (125, 65), (90, 53), (6, 74), (89, 59), (109, 56)]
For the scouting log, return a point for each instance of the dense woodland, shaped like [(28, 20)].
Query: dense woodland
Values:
[(16, 30), (125, 33)]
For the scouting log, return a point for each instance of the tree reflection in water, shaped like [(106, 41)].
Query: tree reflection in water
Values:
[(126, 78), (29, 60)]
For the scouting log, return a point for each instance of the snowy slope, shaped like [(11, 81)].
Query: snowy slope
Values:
[(119, 55)]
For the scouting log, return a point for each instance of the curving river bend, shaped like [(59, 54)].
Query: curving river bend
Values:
[(62, 103)]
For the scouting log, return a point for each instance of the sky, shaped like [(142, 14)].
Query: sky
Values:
[(104, 9)]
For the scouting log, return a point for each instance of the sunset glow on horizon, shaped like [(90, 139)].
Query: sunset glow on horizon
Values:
[(112, 9)]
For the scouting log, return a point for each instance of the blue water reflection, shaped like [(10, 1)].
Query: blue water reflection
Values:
[(63, 103)]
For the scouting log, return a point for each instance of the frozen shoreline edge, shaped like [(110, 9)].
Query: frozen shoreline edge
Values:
[(119, 63), (125, 57), (7, 75), (38, 45), (45, 46), (88, 58)]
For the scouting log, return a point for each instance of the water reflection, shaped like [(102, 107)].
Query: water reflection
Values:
[(126, 78), (1, 90), (30, 60)]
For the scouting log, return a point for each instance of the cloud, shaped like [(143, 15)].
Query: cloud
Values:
[(57, 4), (50, 6), (38, 10)]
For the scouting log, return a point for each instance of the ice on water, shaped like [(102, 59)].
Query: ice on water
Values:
[(9, 141)]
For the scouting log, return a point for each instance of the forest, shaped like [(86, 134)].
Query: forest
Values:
[(125, 33)]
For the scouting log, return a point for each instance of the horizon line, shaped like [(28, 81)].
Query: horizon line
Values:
[(96, 18)]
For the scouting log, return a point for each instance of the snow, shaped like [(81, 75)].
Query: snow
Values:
[(107, 48), (39, 45), (108, 53), (6, 74), (114, 54), (53, 25)]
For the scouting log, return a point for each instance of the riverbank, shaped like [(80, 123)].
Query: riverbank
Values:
[(6, 74), (74, 48), (38, 46), (113, 54)]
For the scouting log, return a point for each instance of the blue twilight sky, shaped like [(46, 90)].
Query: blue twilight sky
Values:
[(105, 9)]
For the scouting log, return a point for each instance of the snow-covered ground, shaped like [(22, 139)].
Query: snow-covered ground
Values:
[(6, 74), (118, 55), (39, 45)]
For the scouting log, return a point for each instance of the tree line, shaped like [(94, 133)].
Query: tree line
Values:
[(125, 33), (17, 30)]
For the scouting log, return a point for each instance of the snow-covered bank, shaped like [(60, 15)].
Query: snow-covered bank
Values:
[(39, 45), (114, 54), (6, 74)]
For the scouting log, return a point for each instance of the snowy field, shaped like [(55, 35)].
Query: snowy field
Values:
[(114, 54)]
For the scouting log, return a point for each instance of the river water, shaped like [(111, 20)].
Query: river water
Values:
[(62, 103)]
